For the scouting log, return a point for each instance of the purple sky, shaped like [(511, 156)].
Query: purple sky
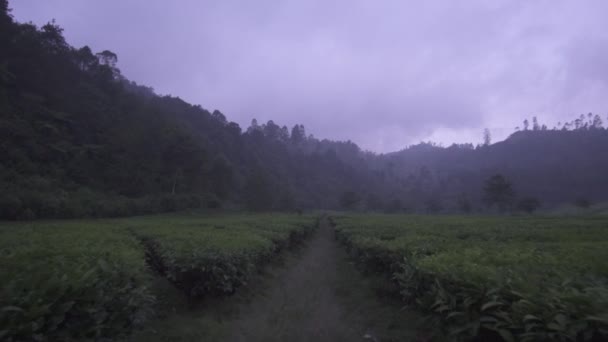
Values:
[(384, 74)]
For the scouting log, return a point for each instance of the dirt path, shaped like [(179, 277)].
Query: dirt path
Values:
[(320, 297), (315, 294)]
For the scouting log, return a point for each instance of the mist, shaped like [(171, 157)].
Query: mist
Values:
[(384, 75)]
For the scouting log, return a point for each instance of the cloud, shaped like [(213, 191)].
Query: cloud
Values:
[(382, 74)]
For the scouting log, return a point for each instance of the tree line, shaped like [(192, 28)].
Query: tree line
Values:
[(80, 139)]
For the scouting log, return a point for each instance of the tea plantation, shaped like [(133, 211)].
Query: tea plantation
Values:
[(90, 279), (492, 278)]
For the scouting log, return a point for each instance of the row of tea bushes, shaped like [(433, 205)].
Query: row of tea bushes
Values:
[(70, 281), (89, 280), (216, 256), (492, 278)]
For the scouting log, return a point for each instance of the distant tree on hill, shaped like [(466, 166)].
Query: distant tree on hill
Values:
[(535, 124), (85, 59), (4, 10), (497, 191), (597, 122), (298, 134), (221, 118), (284, 134), (349, 200), (107, 57), (528, 204), (487, 137)]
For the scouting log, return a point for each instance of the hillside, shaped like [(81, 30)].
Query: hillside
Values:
[(555, 166), (80, 139)]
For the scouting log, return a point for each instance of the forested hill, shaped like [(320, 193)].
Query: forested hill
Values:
[(79, 139), (555, 166)]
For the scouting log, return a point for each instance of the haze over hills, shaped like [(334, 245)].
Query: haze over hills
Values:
[(79, 139), (381, 75)]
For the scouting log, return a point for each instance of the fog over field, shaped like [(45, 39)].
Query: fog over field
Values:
[(382, 74)]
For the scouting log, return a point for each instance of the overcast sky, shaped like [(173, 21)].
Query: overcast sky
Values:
[(383, 74)]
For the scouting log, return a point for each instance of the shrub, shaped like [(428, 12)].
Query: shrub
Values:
[(528, 204), (215, 257), (491, 278), (68, 282)]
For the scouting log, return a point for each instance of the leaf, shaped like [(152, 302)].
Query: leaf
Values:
[(103, 265), (454, 314), (561, 319), (442, 308), (488, 319), (490, 305), (598, 319), (531, 318)]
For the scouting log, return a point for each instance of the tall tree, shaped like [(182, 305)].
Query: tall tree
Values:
[(487, 137), (298, 134), (498, 191), (597, 122), (535, 125)]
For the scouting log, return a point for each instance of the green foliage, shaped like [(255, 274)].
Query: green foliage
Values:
[(497, 191), (217, 255), (89, 280), (70, 281), (532, 279), (33, 201)]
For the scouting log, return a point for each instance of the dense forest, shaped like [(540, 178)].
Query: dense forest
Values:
[(79, 139)]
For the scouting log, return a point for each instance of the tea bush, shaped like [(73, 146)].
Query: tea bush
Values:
[(492, 278), (80, 280), (70, 281), (217, 255)]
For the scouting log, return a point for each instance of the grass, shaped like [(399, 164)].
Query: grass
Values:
[(90, 279), (537, 278)]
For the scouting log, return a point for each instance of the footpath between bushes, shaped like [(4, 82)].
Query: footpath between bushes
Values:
[(313, 293)]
